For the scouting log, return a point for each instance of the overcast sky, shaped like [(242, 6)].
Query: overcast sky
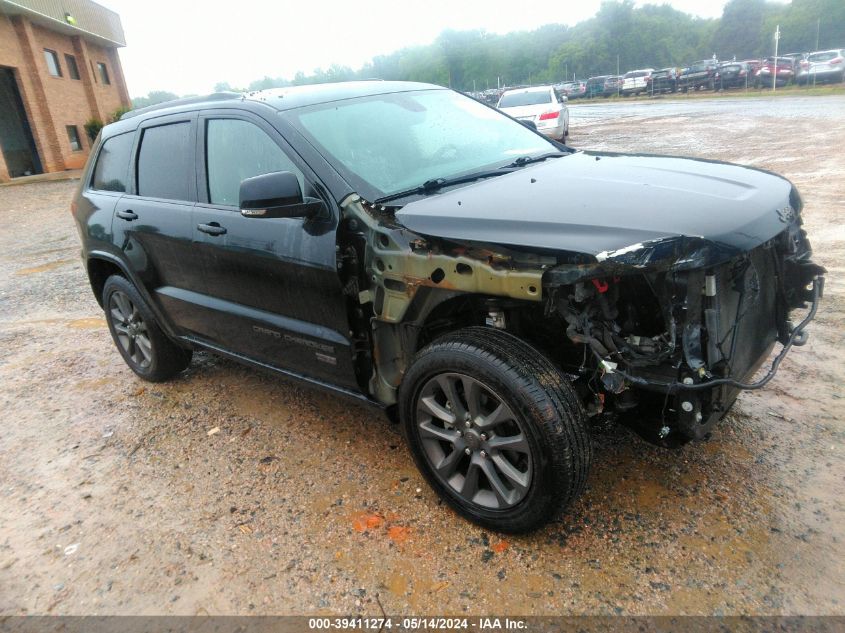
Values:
[(187, 47)]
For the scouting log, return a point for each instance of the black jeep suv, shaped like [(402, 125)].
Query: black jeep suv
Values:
[(405, 246)]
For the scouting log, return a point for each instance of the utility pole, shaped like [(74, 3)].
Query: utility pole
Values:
[(818, 25), (617, 75), (775, 70)]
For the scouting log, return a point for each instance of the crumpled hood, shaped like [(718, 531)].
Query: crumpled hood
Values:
[(609, 205)]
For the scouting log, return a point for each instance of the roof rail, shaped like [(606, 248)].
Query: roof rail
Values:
[(217, 96)]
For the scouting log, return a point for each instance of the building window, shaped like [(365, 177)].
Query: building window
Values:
[(52, 63), (72, 68), (73, 137), (104, 73)]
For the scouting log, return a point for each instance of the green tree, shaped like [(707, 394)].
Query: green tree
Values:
[(153, 98)]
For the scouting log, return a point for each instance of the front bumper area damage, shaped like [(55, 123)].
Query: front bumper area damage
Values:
[(685, 326)]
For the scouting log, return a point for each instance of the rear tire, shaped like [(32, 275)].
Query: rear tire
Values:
[(145, 348), (495, 429)]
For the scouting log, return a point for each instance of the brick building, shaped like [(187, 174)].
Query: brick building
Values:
[(58, 69)]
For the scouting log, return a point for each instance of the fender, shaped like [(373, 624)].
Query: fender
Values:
[(162, 321)]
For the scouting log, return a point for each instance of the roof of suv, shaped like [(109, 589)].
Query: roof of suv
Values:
[(289, 97), (300, 96)]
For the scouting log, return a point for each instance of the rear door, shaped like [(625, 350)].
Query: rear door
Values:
[(153, 223), (273, 291)]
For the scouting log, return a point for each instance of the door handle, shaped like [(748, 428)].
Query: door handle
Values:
[(211, 229), (127, 215)]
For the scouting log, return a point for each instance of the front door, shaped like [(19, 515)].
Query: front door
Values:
[(272, 282)]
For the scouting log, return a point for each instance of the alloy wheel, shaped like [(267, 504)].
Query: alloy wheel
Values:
[(131, 330), (473, 442)]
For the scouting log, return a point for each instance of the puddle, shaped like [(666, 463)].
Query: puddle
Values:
[(44, 267), (92, 383), (88, 323)]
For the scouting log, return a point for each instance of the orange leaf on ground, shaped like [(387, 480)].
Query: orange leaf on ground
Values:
[(362, 522), (500, 547), (398, 533)]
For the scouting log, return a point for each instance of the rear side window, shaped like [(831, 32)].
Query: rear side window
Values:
[(113, 163), (823, 57), (236, 150), (515, 99), (165, 162)]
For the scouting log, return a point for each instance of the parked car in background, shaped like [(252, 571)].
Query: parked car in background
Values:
[(781, 70), (699, 75), (573, 89), (734, 75), (637, 81), (822, 66), (753, 65), (664, 80), (796, 59), (612, 85), (543, 106), (595, 86)]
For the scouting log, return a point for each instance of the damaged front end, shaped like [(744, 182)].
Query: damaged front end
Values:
[(676, 328), (661, 334)]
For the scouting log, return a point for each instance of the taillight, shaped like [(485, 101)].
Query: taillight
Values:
[(549, 115), (836, 60)]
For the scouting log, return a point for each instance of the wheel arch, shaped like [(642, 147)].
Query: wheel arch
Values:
[(101, 265), (432, 313)]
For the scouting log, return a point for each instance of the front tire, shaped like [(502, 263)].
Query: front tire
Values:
[(495, 429), (145, 348)]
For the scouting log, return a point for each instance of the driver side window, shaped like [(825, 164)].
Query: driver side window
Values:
[(236, 150)]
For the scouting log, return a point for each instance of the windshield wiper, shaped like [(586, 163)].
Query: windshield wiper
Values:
[(435, 184), (430, 186), (527, 160)]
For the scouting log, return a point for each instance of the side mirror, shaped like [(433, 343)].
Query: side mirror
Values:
[(529, 124), (276, 195)]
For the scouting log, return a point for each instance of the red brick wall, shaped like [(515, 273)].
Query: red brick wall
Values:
[(52, 103)]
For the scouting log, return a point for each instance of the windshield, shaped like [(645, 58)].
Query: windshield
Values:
[(514, 99), (823, 57), (392, 142)]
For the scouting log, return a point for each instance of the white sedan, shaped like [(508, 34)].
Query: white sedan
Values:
[(541, 105)]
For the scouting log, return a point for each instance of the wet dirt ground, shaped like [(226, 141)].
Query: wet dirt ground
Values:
[(229, 491)]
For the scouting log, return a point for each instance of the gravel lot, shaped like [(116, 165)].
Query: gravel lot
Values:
[(118, 497)]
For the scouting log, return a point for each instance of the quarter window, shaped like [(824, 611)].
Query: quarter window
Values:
[(72, 68), (165, 164), (52, 60), (104, 73), (113, 163), (236, 150), (73, 137)]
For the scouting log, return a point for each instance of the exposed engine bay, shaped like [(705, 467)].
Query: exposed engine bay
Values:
[(661, 336)]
